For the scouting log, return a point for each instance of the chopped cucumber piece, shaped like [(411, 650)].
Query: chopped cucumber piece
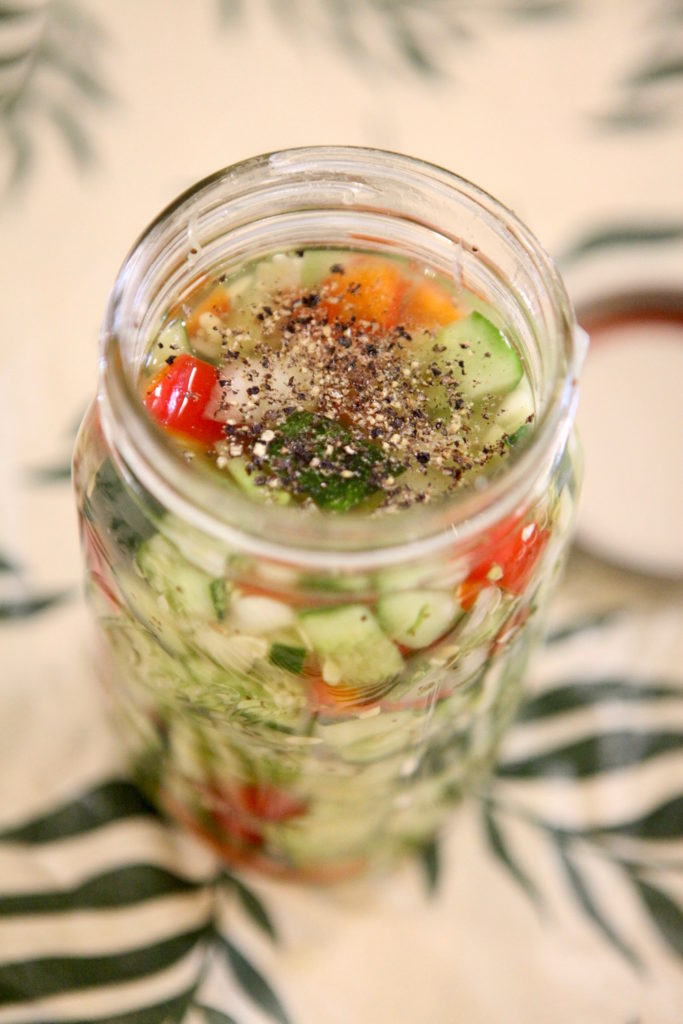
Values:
[(328, 833), (478, 355), (416, 618), (231, 651), (256, 615), (238, 287), (291, 659), (260, 697), (509, 414), (237, 468), (366, 740), (283, 273), (150, 610), (189, 591), (485, 618), (170, 342), (208, 340), (353, 648), (195, 547), (317, 264), (268, 279)]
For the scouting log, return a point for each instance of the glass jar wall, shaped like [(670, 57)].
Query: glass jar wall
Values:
[(251, 653)]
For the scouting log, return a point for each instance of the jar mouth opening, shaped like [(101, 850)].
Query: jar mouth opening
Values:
[(307, 195)]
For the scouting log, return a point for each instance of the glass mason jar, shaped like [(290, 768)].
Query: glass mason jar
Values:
[(229, 733)]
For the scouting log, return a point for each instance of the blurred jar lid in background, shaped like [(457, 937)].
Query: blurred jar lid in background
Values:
[(630, 422)]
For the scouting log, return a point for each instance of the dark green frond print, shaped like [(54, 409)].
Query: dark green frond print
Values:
[(252, 982), (117, 802), (622, 236), (67, 46), (632, 846), (587, 902)]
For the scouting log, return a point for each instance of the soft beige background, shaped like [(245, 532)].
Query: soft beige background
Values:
[(516, 111)]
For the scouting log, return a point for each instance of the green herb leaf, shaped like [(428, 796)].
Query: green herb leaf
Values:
[(291, 659), (572, 696), (309, 437), (252, 982), (593, 755), (518, 436), (108, 802), (666, 915), (253, 907), (589, 906), (220, 597), (501, 850)]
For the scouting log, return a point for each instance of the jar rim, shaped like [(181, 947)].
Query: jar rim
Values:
[(345, 542)]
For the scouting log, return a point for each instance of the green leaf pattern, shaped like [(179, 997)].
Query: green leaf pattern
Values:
[(589, 759), (118, 889)]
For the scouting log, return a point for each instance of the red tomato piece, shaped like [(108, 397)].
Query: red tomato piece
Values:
[(268, 803), (508, 560), (240, 809), (178, 397)]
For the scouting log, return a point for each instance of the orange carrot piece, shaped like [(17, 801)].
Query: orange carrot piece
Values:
[(369, 289), (216, 302), (429, 305)]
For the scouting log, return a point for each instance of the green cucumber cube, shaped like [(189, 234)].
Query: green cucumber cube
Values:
[(189, 591), (416, 618), (171, 341), (480, 357), (352, 646)]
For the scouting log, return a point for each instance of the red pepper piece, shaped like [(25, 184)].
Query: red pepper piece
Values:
[(507, 561), (178, 397)]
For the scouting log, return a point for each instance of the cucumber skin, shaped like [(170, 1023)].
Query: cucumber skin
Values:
[(291, 659), (494, 375)]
